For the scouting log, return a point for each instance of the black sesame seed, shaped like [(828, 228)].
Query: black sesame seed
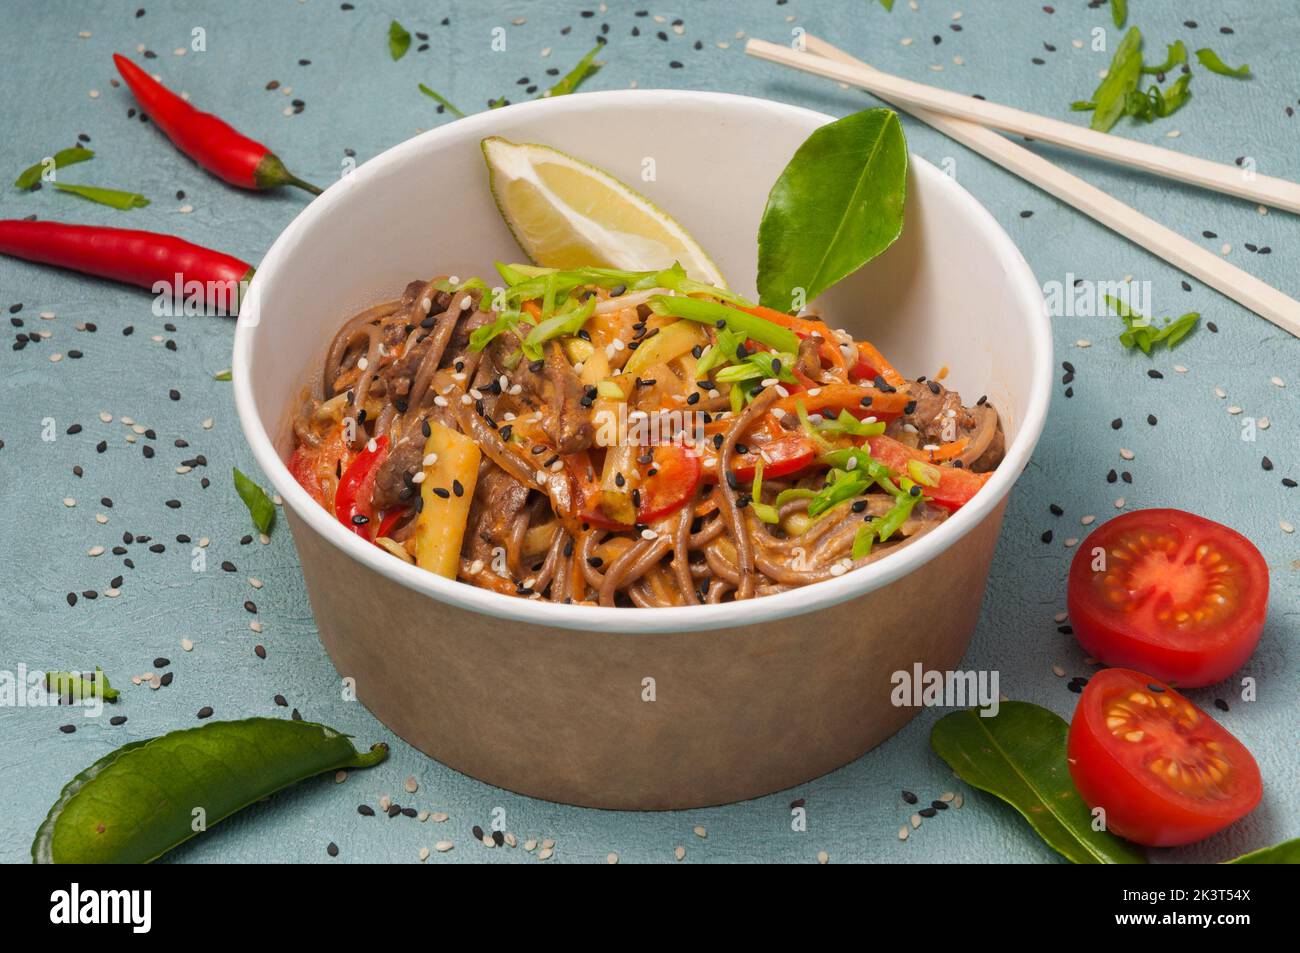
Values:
[(909, 797), (205, 711)]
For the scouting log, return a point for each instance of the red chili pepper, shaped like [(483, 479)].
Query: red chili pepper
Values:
[(134, 257), (212, 143), (352, 502)]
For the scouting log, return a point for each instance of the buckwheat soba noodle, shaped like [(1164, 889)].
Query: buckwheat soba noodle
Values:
[(628, 439)]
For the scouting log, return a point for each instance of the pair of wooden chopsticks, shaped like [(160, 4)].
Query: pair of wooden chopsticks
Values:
[(967, 119)]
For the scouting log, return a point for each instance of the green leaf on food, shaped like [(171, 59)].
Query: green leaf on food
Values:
[(259, 504), (571, 80), (1111, 97), (1119, 12), (32, 174), (441, 100), (135, 803), (1210, 60), (79, 686), (887, 4), (1141, 332), (1018, 755), (1287, 852), (399, 40), (837, 205), (113, 198)]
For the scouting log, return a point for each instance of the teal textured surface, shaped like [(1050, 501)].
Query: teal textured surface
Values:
[(1204, 452)]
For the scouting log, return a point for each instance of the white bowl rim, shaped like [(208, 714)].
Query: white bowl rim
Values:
[(1027, 295)]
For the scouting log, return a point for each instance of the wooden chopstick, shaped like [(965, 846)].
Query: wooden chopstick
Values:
[(1240, 286), (1266, 190)]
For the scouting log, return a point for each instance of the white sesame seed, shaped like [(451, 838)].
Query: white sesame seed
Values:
[(1286, 527), (1277, 381), (1083, 342), (1227, 248), (443, 846), (1234, 410), (95, 551), (187, 645), (112, 592), (915, 820), (1087, 520), (438, 817), (530, 845), (679, 852), (902, 832), (340, 776), (255, 582), (700, 831), (611, 858), (440, 401), (1060, 616), (207, 424), (1220, 393), (186, 209), (255, 626), (648, 533), (823, 857), (1058, 671), (1263, 423), (424, 853), (958, 801), (1180, 368), (1119, 504), (69, 501), (105, 416), (546, 853), (1126, 453), (1071, 542), (411, 785), (101, 518)]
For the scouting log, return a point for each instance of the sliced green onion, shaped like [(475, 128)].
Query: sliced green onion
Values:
[(863, 539), (710, 312), (562, 324), (480, 338)]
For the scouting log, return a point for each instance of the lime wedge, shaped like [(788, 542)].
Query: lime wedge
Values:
[(566, 213)]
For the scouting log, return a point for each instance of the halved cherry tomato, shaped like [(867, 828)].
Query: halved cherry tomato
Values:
[(781, 457), (1169, 593), (677, 474), (317, 468), (956, 485), (356, 488), (1164, 772)]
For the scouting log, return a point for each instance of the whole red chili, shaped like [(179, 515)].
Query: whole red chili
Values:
[(212, 143), (134, 257)]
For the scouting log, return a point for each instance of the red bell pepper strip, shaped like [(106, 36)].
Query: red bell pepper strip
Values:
[(872, 364), (390, 519), (956, 485), (677, 474), (352, 502), (803, 328), (212, 143), (133, 257)]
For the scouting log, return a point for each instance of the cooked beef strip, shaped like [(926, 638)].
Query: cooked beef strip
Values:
[(498, 499), (569, 421), (403, 462)]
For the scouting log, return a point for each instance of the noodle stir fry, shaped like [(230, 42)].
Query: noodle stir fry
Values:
[(624, 438)]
